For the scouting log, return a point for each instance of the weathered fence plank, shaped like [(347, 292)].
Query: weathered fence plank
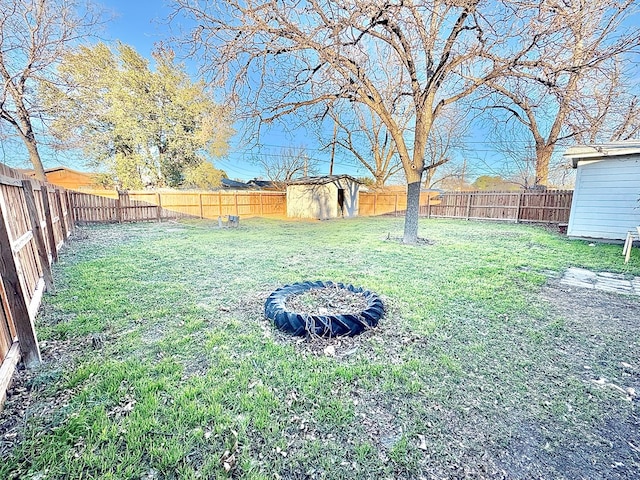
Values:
[(35, 220), (36, 228), (16, 299), (48, 216)]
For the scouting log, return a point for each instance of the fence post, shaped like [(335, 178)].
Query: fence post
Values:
[(159, 207), (375, 197), (36, 228), (469, 206), (49, 219), (261, 209), (395, 206), (200, 201), (17, 303), (60, 214), (519, 211), (67, 202), (428, 205), (235, 199), (219, 203), (119, 207)]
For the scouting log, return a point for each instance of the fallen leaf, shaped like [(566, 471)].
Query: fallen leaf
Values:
[(330, 351)]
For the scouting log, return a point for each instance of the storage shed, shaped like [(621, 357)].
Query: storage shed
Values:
[(605, 199), (329, 196)]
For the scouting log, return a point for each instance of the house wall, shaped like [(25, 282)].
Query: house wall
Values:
[(605, 200)]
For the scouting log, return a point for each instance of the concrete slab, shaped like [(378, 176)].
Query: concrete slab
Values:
[(605, 281)]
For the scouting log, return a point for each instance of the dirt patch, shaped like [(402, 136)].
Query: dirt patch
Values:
[(587, 309), (27, 385), (596, 351)]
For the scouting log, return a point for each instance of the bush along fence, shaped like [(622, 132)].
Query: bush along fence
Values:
[(35, 221)]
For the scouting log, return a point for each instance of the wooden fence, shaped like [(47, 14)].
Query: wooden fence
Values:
[(385, 203), (35, 221), (148, 205), (88, 208), (552, 206)]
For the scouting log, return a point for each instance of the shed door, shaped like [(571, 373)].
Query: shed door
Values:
[(341, 202)]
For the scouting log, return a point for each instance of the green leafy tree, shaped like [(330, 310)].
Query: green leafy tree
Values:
[(204, 176), (489, 183), (146, 128)]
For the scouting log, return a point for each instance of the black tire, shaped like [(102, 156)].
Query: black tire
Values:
[(322, 325)]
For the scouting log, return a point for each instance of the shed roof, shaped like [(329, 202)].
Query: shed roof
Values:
[(602, 151), (322, 180)]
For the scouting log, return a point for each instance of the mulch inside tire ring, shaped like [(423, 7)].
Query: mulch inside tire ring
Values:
[(326, 301)]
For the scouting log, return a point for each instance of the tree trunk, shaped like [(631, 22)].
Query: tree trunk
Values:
[(34, 157), (413, 209), (29, 138), (543, 158)]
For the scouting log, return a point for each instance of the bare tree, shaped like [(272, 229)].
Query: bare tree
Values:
[(607, 110), (361, 133), (574, 46), (290, 163), (446, 140), (34, 34), (452, 176), (280, 57)]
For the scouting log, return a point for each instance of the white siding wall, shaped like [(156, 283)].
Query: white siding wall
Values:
[(605, 200), (312, 201)]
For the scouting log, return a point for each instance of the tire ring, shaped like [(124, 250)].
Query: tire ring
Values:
[(322, 325)]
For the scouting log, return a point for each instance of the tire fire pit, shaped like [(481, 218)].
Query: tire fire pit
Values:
[(324, 321)]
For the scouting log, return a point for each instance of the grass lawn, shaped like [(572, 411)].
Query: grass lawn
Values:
[(160, 364)]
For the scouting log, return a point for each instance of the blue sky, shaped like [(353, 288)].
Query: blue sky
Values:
[(137, 23), (142, 23)]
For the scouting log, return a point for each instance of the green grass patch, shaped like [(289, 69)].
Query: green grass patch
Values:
[(159, 363)]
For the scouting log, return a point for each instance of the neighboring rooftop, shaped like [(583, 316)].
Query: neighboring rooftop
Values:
[(254, 184)]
